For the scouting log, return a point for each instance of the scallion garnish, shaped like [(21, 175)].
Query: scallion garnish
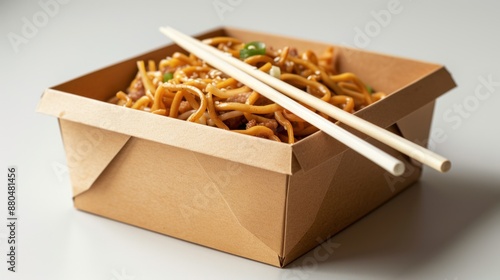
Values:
[(252, 48), (167, 76)]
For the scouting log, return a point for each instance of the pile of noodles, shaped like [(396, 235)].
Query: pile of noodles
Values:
[(185, 87)]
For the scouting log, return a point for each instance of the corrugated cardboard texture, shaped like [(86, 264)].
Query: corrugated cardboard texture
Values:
[(251, 197)]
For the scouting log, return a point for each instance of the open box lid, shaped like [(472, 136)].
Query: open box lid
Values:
[(411, 85)]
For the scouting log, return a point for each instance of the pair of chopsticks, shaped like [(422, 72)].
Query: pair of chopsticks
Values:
[(275, 90)]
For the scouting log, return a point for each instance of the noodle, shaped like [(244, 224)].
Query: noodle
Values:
[(185, 87)]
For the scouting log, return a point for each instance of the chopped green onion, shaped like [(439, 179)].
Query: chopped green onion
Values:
[(275, 71), (167, 76), (252, 48), (369, 89)]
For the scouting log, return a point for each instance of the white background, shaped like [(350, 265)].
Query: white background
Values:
[(445, 227)]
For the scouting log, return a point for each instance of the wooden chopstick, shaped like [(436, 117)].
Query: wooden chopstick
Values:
[(397, 142), (381, 158)]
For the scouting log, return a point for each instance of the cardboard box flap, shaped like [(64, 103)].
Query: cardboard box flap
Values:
[(89, 150), (253, 151), (306, 192), (394, 107), (417, 125), (413, 96), (309, 156), (345, 198), (255, 196), (180, 198)]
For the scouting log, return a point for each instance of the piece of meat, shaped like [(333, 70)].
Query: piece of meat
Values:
[(271, 124), (251, 123), (184, 107), (239, 98), (235, 123), (136, 90)]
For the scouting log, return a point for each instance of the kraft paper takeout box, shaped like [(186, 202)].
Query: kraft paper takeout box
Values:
[(252, 197)]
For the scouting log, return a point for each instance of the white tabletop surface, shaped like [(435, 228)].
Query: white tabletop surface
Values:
[(446, 227)]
